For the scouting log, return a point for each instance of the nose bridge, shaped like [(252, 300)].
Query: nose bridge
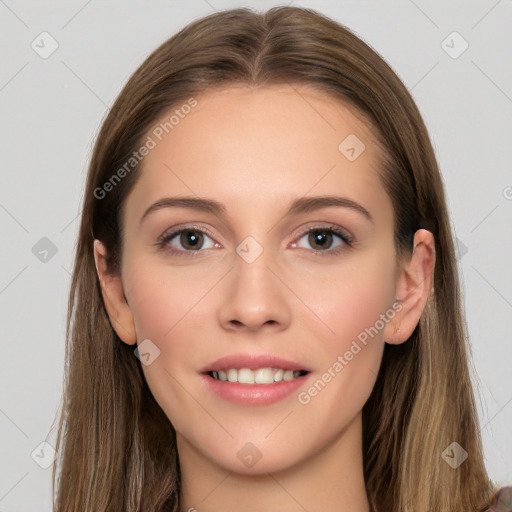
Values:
[(254, 296), (253, 280), (252, 268)]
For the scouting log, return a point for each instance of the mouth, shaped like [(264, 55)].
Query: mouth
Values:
[(254, 379), (267, 375)]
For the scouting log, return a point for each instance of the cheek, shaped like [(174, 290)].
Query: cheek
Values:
[(168, 308), (354, 304), (352, 355), (161, 298), (349, 299), (352, 309)]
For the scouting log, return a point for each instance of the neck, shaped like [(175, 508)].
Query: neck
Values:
[(332, 479)]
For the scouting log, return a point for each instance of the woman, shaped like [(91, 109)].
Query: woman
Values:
[(265, 309)]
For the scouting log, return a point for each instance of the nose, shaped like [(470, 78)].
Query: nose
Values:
[(254, 297)]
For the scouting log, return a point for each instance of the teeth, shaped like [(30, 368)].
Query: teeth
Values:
[(288, 375), (263, 376), (259, 376), (245, 376), (278, 376)]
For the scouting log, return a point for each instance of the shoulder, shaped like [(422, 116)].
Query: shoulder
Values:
[(502, 500)]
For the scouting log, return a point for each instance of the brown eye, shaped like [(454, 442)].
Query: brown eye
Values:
[(186, 241), (320, 239), (191, 239), (325, 241)]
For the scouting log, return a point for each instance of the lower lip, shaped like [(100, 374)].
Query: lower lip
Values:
[(253, 394)]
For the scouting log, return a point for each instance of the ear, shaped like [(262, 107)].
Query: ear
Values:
[(414, 284), (117, 308)]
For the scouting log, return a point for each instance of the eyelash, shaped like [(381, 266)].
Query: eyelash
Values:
[(164, 239)]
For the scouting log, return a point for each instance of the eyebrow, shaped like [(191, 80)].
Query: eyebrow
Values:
[(299, 206)]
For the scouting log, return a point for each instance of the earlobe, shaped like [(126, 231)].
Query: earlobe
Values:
[(413, 289), (112, 291)]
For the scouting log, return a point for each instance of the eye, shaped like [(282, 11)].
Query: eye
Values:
[(329, 240), (186, 240)]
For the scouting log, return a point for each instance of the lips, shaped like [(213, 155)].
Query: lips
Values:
[(260, 391)]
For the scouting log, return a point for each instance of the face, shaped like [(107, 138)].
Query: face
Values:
[(271, 276)]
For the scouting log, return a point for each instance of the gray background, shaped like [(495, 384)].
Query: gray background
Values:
[(50, 111)]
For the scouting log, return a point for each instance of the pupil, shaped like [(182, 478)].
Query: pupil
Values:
[(191, 239), (320, 237)]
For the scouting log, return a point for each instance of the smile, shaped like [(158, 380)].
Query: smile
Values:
[(256, 376)]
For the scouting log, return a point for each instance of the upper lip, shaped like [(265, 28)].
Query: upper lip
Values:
[(253, 362)]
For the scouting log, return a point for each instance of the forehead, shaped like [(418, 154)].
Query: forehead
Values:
[(256, 147)]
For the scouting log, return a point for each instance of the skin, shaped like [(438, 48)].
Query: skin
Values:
[(255, 151)]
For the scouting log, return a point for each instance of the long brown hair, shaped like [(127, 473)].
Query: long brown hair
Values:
[(117, 449)]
